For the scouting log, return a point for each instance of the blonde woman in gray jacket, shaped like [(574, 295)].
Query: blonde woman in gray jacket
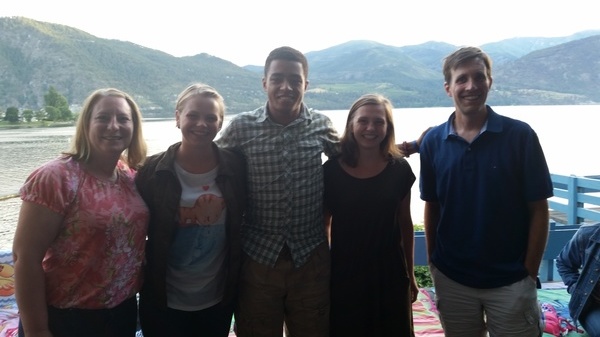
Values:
[(196, 195)]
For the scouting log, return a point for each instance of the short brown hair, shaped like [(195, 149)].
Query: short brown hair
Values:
[(462, 55)]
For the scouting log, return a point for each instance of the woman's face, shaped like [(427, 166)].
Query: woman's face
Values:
[(369, 126), (111, 126), (199, 120)]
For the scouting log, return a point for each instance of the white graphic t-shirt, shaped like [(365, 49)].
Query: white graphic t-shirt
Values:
[(196, 271)]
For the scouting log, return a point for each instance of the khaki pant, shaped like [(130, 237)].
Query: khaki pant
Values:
[(509, 311), (271, 295)]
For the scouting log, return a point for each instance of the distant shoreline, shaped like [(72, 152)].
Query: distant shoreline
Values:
[(30, 125), (46, 124)]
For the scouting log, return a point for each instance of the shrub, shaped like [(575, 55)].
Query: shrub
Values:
[(423, 277)]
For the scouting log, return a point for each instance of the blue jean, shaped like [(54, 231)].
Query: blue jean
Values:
[(590, 321)]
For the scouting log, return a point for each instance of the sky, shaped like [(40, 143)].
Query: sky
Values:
[(245, 31)]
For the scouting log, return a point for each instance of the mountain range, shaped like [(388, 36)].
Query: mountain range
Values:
[(35, 55)]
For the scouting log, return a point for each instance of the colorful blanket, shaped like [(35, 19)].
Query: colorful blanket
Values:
[(557, 321), (426, 320)]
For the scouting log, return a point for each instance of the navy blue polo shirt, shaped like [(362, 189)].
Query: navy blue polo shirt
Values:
[(483, 189)]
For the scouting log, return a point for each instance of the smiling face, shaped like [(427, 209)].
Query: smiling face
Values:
[(111, 126), (285, 84), (199, 120), (469, 86), (369, 126)]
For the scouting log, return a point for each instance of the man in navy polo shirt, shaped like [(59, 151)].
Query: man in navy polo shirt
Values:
[(485, 183)]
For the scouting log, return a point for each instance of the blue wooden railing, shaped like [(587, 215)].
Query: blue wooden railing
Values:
[(577, 197), (576, 200)]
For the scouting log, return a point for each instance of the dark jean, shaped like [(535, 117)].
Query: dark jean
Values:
[(590, 321), (214, 321), (120, 321)]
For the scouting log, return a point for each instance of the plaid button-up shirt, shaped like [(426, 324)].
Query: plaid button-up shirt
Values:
[(285, 181)]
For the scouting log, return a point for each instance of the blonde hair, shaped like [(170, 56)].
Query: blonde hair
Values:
[(203, 90), (80, 150)]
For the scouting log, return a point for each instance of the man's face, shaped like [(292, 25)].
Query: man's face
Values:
[(469, 87), (285, 84)]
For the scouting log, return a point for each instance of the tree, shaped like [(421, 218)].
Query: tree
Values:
[(57, 101), (28, 115), (66, 114), (12, 115), (40, 115), (52, 113)]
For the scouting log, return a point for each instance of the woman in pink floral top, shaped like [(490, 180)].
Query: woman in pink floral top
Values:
[(79, 244)]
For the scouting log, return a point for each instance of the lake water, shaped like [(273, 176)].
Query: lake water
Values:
[(568, 134)]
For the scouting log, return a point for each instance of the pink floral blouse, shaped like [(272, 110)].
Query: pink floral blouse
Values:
[(96, 260)]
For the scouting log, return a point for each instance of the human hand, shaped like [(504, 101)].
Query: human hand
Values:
[(406, 149), (414, 290)]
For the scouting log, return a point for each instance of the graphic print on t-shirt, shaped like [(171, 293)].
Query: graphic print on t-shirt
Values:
[(206, 210)]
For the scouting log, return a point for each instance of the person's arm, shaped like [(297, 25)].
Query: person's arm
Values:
[(570, 260), (37, 227), (407, 232), (538, 236), (408, 148), (431, 219)]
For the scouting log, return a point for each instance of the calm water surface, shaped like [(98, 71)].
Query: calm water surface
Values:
[(569, 136)]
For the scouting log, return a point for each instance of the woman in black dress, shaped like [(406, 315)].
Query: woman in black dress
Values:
[(367, 207)]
